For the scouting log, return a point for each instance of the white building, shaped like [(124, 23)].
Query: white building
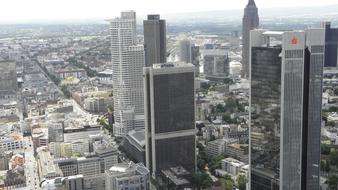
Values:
[(232, 166), (218, 146), (11, 142), (127, 176), (128, 62)]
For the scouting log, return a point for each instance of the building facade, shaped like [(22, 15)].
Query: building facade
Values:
[(216, 64), (170, 121), (185, 51), (127, 176), (331, 46), (155, 40), (250, 22), (285, 104), (128, 62)]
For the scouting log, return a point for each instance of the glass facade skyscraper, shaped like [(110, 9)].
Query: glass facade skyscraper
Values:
[(285, 109), (169, 116), (250, 22), (155, 40), (331, 46)]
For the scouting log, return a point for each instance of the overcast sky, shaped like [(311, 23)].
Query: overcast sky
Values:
[(19, 10)]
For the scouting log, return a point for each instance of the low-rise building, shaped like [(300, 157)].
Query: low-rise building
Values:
[(75, 182), (127, 176), (232, 166), (134, 145), (238, 151), (46, 166), (11, 141), (218, 146), (68, 166)]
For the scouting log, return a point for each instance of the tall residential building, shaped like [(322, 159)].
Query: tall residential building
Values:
[(250, 22), (285, 104), (155, 40), (331, 46), (169, 117), (128, 62)]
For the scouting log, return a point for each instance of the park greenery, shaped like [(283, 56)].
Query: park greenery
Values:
[(89, 71)]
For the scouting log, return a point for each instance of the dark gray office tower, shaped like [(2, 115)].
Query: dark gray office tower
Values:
[(190, 53), (285, 104), (250, 22), (195, 58), (155, 40), (331, 46), (169, 117)]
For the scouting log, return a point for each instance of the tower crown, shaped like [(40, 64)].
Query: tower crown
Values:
[(251, 3)]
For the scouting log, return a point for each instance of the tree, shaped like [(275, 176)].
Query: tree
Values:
[(215, 163), (331, 123), (325, 149), (333, 109), (65, 91), (227, 184), (324, 166), (220, 108), (334, 158), (333, 182), (201, 181), (241, 181)]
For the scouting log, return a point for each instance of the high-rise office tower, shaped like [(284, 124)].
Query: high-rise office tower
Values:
[(195, 58), (128, 63), (169, 117), (250, 22), (285, 104), (155, 40), (185, 51), (216, 64), (190, 53), (331, 46)]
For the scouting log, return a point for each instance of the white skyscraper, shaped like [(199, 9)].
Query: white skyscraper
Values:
[(128, 63)]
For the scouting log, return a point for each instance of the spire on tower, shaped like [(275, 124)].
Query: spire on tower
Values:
[(251, 3)]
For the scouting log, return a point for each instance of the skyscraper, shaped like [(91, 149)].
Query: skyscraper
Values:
[(195, 58), (250, 22), (216, 64), (331, 46), (185, 51), (285, 104), (155, 40), (128, 63), (169, 117), (190, 53)]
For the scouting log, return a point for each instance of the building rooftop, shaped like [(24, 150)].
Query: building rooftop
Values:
[(138, 136), (171, 65), (176, 175), (46, 165), (128, 169)]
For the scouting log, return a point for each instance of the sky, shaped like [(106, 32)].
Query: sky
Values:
[(26, 10)]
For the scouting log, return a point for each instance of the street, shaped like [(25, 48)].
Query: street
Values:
[(31, 168)]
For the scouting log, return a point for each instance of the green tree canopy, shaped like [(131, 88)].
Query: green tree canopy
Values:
[(201, 181)]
